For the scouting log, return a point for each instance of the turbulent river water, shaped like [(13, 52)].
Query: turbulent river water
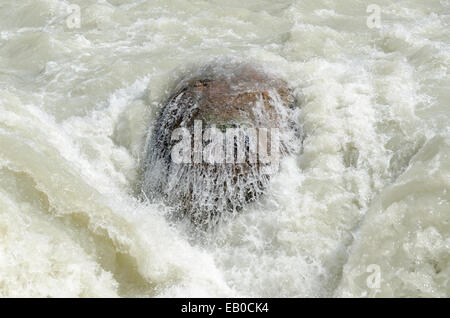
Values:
[(363, 210)]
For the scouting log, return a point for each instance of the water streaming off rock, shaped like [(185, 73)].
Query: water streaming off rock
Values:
[(370, 187)]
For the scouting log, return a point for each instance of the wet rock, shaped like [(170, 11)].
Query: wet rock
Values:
[(207, 153)]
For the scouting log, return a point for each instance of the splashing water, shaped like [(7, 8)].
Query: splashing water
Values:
[(363, 210)]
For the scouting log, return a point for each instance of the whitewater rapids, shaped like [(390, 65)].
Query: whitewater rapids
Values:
[(369, 193)]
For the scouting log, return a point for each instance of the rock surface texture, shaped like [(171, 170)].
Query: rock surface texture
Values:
[(216, 107)]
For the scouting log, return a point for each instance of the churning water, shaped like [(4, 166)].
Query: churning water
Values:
[(363, 210)]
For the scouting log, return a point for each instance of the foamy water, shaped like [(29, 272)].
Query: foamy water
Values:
[(362, 211)]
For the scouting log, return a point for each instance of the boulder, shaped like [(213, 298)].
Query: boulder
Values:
[(205, 154)]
